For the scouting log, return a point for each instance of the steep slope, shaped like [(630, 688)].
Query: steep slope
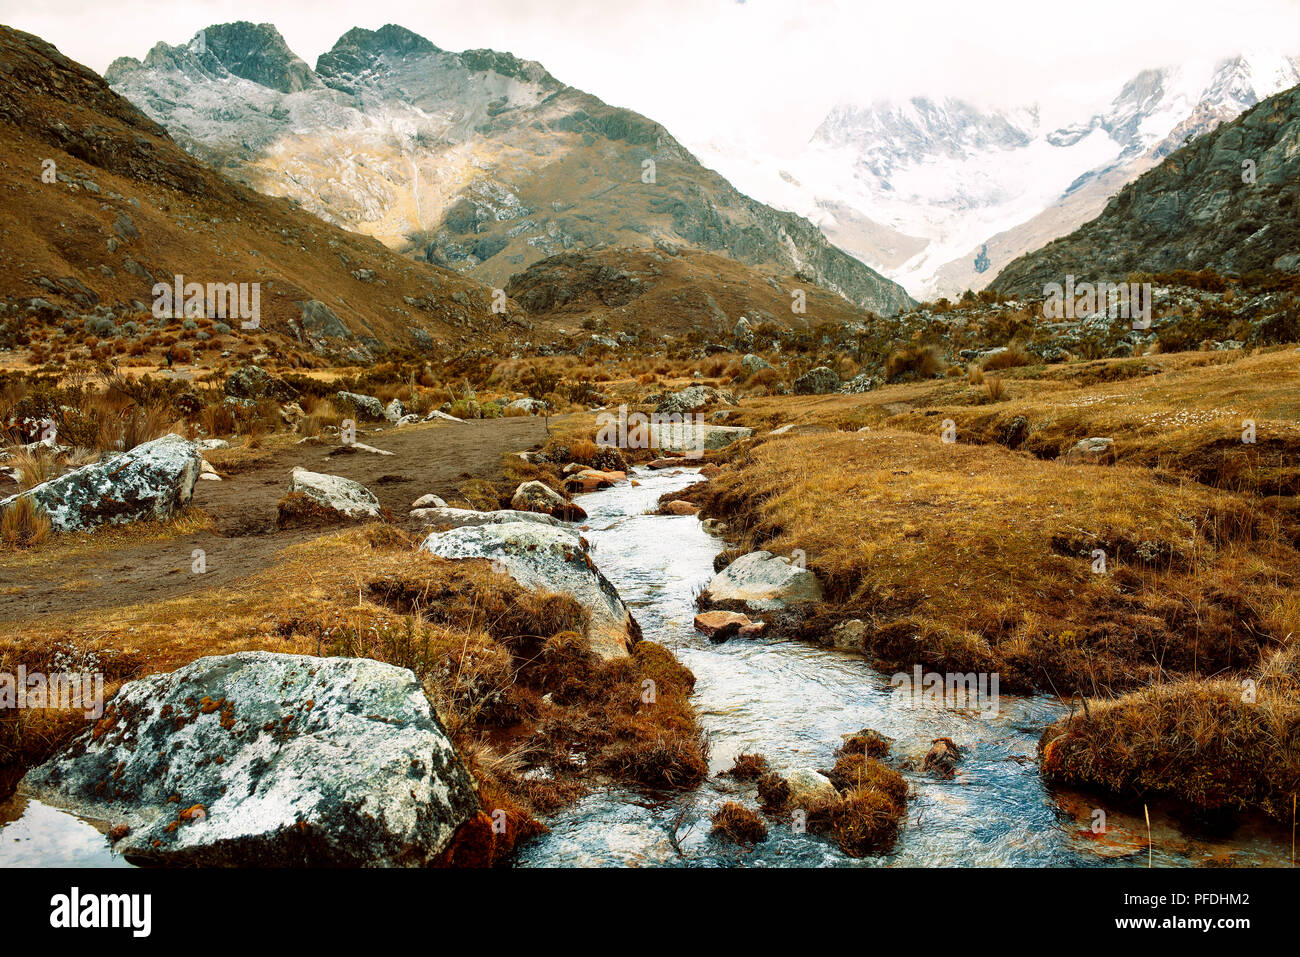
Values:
[(1197, 209), (100, 203), (475, 160)]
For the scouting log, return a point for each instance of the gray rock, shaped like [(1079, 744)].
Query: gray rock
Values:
[(556, 559), (531, 406), (819, 381), (151, 481), (761, 581), (365, 406), (348, 498), (859, 384), (752, 363), (458, 517), (277, 760), (394, 411), (1091, 451), (694, 436), (536, 497), (694, 398), (252, 382), (428, 501), (319, 320)]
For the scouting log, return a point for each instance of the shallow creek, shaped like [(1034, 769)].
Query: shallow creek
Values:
[(792, 702)]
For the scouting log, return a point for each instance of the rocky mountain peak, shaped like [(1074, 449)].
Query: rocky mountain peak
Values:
[(360, 50)]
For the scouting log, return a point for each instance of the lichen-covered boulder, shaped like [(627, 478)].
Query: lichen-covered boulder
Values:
[(364, 406), (694, 398), (152, 481), (348, 498), (694, 437), (820, 381), (262, 759), (552, 558), (761, 581)]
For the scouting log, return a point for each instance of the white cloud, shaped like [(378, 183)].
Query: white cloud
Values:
[(765, 71)]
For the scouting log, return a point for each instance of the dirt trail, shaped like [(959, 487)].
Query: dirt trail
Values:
[(427, 458)]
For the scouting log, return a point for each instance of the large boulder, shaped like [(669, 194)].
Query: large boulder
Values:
[(152, 481), (696, 437), (761, 581), (363, 406), (819, 381), (348, 498), (531, 406), (261, 759), (252, 382), (552, 558), (694, 398)]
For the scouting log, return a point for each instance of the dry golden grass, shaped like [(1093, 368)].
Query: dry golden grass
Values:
[(975, 558), (23, 524)]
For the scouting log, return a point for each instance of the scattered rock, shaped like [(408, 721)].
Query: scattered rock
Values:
[(252, 382), (277, 760), (1091, 451), (428, 501), (761, 581), (721, 625), (849, 635), (364, 406), (349, 499), (678, 507), (694, 398), (809, 787), (820, 381), (456, 517)]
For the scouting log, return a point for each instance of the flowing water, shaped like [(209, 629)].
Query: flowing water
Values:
[(792, 702)]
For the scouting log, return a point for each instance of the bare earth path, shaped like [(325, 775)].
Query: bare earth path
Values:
[(427, 458)]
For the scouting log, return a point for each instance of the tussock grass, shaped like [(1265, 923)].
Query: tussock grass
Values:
[(1216, 745)]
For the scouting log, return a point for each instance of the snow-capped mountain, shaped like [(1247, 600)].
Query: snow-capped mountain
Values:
[(940, 194)]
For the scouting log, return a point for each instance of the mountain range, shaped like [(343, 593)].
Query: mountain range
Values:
[(1228, 201), (940, 195), (477, 161)]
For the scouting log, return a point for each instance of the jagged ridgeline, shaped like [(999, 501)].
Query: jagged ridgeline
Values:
[(1228, 201), (478, 160)]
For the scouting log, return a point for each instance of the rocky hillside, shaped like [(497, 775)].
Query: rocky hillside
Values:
[(666, 291), (478, 160), (1227, 201), (102, 204)]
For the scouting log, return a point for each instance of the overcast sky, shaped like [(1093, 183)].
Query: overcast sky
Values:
[(762, 71)]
